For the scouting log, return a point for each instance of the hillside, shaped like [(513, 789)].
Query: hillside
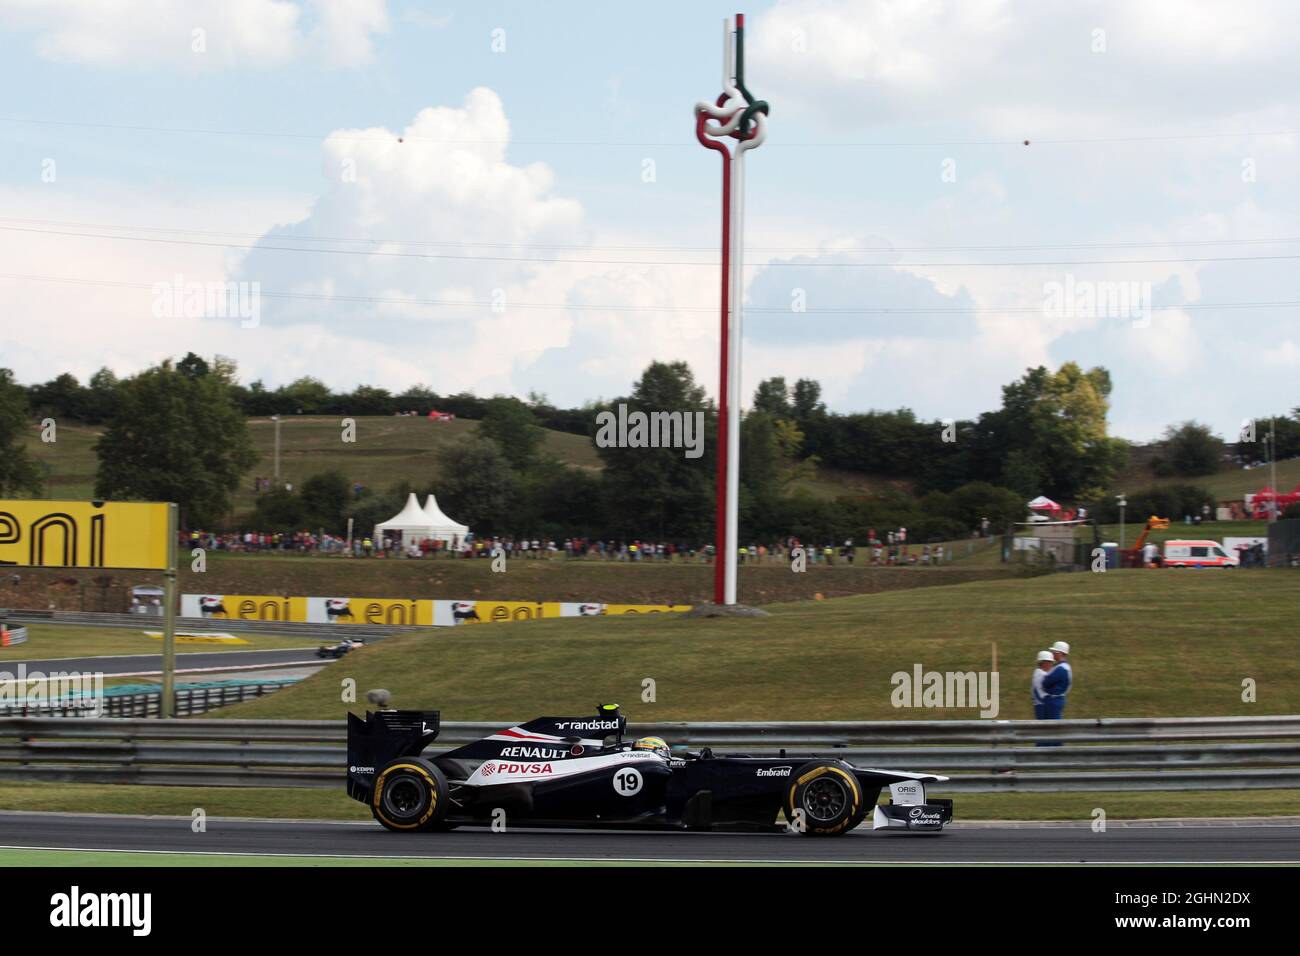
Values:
[(393, 449), (1229, 483), (388, 449), (1144, 644), (1232, 484)]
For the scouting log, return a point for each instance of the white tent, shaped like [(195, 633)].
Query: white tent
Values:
[(444, 528), (1043, 503), (411, 521)]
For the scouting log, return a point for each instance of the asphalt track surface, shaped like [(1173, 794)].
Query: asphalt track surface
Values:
[(152, 663), (1199, 842)]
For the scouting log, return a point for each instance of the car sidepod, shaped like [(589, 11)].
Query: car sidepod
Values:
[(626, 787)]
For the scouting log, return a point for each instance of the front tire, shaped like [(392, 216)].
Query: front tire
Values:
[(410, 794), (826, 797)]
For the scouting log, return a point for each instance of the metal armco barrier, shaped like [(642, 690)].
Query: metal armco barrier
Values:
[(189, 701), (149, 622), (1177, 753)]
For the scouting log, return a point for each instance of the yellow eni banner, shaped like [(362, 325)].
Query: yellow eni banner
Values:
[(83, 534)]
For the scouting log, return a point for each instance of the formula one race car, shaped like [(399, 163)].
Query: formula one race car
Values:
[(338, 650), (579, 772)]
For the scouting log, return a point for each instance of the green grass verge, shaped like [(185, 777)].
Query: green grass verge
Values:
[(46, 641), (309, 804), (1145, 644)]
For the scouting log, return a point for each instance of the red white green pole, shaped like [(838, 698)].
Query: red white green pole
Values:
[(734, 115)]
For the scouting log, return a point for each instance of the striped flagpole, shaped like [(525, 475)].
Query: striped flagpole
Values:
[(733, 115)]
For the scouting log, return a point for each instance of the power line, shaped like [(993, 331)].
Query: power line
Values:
[(815, 250), (590, 307), (262, 247), (615, 144)]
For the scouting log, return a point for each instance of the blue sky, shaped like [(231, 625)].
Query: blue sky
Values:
[(895, 177)]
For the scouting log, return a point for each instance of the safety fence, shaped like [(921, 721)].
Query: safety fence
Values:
[(1181, 753), (190, 701)]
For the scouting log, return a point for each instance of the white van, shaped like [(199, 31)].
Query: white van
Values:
[(1202, 553)]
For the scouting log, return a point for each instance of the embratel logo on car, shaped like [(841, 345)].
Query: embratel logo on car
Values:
[(773, 772), (587, 724)]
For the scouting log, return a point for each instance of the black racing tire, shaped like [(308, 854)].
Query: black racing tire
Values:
[(410, 794), (828, 798)]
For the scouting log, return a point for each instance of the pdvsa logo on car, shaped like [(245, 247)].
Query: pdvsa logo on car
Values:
[(772, 772), (524, 769)]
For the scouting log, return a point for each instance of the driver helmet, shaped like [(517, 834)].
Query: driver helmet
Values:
[(655, 744)]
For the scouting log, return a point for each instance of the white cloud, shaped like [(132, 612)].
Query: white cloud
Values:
[(1001, 63), (106, 318), (199, 33)]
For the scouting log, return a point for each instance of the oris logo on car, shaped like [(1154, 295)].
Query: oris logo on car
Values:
[(772, 772)]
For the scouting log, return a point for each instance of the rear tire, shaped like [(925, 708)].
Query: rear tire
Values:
[(410, 794), (827, 797)]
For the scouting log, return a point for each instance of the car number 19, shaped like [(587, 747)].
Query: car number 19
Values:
[(627, 782)]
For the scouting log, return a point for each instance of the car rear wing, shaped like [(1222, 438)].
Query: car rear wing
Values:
[(381, 737)]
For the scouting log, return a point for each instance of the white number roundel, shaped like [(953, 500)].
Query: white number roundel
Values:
[(627, 782)]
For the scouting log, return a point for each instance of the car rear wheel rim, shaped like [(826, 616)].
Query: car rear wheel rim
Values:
[(404, 797), (825, 799)]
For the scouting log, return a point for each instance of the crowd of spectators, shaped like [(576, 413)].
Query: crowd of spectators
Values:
[(889, 549)]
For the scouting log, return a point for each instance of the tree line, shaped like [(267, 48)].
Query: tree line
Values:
[(178, 432)]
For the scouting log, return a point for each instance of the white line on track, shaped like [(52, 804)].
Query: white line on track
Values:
[(666, 860)]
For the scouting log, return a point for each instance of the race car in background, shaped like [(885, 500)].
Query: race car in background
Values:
[(342, 647), (580, 772)]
